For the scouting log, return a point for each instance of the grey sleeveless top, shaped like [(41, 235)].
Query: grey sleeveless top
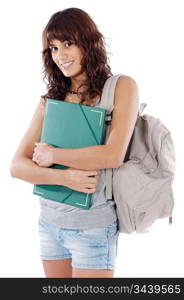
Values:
[(101, 213)]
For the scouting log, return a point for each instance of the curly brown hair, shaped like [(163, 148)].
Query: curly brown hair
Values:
[(74, 24)]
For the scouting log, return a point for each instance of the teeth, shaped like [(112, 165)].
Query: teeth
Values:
[(67, 64)]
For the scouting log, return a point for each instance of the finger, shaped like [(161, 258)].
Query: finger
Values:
[(90, 185), (93, 180), (90, 191), (92, 173)]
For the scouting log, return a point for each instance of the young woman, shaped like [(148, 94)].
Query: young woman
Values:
[(76, 242)]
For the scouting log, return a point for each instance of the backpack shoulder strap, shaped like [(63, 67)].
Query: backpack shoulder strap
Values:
[(107, 102), (107, 98)]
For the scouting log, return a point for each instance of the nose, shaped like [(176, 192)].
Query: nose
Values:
[(61, 55)]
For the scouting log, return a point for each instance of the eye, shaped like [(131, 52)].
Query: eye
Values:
[(66, 43), (69, 43), (52, 48)]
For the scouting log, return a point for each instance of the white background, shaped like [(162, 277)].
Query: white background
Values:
[(145, 38)]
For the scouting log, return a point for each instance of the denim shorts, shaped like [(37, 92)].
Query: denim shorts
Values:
[(94, 248)]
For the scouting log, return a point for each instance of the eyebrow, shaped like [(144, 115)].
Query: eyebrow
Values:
[(50, 43)]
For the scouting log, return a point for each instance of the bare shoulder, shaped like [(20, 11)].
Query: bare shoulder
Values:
[(126, 93), (126, 79), (126, 85)]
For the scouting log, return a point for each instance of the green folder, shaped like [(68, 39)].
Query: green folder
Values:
[(70, 125)]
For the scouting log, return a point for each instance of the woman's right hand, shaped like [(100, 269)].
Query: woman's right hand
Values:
[(81, 181)]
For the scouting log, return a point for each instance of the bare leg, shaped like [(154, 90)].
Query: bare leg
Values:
[(60, 268), (86, 273)]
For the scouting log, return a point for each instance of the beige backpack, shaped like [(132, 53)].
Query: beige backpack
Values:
[(142, 185)]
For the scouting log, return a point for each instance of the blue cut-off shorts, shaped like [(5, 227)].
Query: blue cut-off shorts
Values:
[(94, 248)]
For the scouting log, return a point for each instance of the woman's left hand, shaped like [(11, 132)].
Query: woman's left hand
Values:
[(43, 154)]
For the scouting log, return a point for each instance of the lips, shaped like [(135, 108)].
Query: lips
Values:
[(67, 64)]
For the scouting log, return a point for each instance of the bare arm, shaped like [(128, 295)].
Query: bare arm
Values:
[(112, 154), (87, 158), (22, 166)]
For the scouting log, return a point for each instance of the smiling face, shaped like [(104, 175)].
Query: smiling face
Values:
[(67, 56)]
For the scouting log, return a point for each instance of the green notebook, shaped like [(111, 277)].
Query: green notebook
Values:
[(70, 125)]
